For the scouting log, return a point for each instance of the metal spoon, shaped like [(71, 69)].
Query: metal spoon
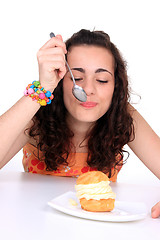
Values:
[(78, 92)]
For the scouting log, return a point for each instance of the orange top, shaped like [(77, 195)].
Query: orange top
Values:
[(77, 164)]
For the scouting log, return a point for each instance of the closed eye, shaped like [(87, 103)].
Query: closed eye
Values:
[(78, 79), (102, 81)]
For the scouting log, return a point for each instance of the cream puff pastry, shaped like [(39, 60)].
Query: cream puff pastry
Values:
[(94, 192)]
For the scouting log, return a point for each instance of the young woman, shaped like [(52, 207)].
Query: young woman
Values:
[(67, 137)]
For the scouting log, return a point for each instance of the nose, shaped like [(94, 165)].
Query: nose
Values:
[(88, 86)]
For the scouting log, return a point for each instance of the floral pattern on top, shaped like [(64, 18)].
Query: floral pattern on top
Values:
[(77, 164)]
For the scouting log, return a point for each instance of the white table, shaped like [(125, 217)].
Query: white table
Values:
[(24, 213)]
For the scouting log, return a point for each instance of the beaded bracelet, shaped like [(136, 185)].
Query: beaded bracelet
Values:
[(37, 92)]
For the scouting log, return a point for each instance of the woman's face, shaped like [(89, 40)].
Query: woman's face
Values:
[(93, 70)]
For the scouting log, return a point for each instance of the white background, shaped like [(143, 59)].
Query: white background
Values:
[(133, 26)]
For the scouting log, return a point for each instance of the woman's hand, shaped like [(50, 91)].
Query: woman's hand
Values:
[(51, 60), (155, 211)]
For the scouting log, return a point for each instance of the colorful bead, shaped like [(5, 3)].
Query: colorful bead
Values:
[(37, 92), (51, 97), (36, 83), (30, 91), (48, 94), (26, 92), (30, 85), (43, 102), (49, 101), (41, 95)]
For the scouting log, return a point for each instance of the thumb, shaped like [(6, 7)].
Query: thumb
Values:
[(59, 37)]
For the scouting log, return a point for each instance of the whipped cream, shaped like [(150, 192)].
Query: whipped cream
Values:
[(96, 191)]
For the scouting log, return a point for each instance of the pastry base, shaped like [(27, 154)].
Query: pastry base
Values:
[(92, 205)]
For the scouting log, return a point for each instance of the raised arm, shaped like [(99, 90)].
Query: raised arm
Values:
[(51, 60)]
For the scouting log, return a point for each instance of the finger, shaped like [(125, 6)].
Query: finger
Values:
[(155, 211), (44, 59), (59, 36), (51, 66), (51, 51), (54, 42)]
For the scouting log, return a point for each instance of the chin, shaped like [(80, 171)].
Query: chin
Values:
[(87, 119), (80, 115)]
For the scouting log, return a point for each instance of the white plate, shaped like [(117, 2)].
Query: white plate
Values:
[(123, 211)]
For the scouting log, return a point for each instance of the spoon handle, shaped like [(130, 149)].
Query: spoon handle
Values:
[(53, 35), (71, 73)]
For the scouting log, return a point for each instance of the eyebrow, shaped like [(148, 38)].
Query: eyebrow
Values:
[(97, 71)]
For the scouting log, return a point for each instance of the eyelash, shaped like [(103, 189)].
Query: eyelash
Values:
[(78, 79), (100, 81)]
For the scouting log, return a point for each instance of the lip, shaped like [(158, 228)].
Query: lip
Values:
[(88, 104)]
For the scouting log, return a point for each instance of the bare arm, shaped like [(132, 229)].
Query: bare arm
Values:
[(146, 144), (51, 60), (12, 126)]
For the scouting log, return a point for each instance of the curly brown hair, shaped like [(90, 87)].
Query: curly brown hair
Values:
[(109, 134)]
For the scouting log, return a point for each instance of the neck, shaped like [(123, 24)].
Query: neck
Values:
[(80, 131)]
